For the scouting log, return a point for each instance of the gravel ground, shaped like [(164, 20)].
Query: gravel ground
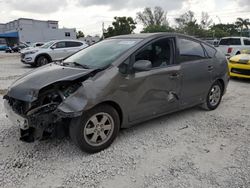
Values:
[(191, 148)]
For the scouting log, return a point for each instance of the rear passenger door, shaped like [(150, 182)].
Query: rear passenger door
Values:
[(196, 69)]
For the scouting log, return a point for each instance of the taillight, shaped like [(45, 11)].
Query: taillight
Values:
[(229, 50)]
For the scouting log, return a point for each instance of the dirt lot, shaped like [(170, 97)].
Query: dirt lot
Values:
[(192, 148)]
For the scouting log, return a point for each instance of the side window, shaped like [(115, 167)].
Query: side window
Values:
[(159, 53), (79, 43), (235, 41), (60, 45), (72, 44), (210, 51), (190, 50), (247, 42)]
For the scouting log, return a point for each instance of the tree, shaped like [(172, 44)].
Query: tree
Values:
[(206, 21), (79, 34), (185, 19), (155, 17), (121, 26), (187, 24), (242, 23), (154, 20), (224, 30)]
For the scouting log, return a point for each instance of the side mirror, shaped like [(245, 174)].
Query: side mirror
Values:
[(53, 47), (142, 65)]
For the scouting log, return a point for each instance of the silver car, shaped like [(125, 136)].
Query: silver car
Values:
[(51, 51)]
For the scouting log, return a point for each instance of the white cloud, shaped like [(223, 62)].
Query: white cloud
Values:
[(88, 15)]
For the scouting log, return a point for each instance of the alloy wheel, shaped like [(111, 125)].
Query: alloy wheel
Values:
[(98, 129), (215, 95)]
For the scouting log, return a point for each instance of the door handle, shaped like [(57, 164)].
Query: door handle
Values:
[(210, 67), (174, 75)]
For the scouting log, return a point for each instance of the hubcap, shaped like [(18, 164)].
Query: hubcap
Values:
[(43, 61), (98, 129), (214, 95)]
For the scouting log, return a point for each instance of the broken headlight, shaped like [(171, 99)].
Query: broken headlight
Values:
[(67, 91)]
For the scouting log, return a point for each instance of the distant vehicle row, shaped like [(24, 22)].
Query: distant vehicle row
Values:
[(231, 46), (51, 51)]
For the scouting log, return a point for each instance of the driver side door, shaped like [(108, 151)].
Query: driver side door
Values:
[(59, 51), (154, 92)]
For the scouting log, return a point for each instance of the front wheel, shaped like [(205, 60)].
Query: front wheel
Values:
[(213, 97), (96, 129), (41, 60)]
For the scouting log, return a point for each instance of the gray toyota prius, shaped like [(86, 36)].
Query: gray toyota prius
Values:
[(116, 83)]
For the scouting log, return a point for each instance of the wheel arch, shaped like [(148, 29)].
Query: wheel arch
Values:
[(44, 54), (116, 106), (222, 84)]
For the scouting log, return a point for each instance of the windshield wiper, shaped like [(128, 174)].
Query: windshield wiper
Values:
[(81, 65), (76, 64)]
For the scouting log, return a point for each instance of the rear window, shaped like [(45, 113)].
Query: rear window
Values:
[(230, 41), (190, 48), (209, 50)]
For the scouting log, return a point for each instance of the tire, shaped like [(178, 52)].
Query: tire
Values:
[(214, 96), (41, 60), (90, 133)]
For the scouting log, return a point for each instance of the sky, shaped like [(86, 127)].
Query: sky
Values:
[(88, 15)]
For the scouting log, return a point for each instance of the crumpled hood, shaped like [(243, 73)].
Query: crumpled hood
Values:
[(27, 87)]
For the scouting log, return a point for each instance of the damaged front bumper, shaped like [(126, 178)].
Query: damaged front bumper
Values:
[(38, 123)]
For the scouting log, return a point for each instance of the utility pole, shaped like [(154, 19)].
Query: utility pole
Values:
[(103, 30)]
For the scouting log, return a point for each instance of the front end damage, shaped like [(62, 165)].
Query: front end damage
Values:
[(43, 102), (41, 118)]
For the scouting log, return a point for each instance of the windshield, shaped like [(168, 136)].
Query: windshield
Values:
[(48, 44), (102, 53)]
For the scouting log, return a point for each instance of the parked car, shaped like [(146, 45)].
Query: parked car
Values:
[(51, 51), (16, 48), (231, 46), (32, 46), (3, 47), (239, 66), (37, 44), (115, 84)]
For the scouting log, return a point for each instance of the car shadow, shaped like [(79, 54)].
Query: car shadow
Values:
[(244, 80)]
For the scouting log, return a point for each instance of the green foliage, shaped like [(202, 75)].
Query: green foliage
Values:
[(154, 20), (224, 30), (242, 24), (121, 26), (79, 34)]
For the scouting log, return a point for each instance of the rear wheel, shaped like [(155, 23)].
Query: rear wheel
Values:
[(41, 60), (96, 129), (213, 97)]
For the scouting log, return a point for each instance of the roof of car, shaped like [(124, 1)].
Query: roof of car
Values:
[(66, 40), (149, 35), (235, 37)]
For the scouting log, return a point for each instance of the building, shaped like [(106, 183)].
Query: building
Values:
[(30, 31)]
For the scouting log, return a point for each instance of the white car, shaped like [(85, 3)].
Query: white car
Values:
[(51, 51), (231, 46)]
